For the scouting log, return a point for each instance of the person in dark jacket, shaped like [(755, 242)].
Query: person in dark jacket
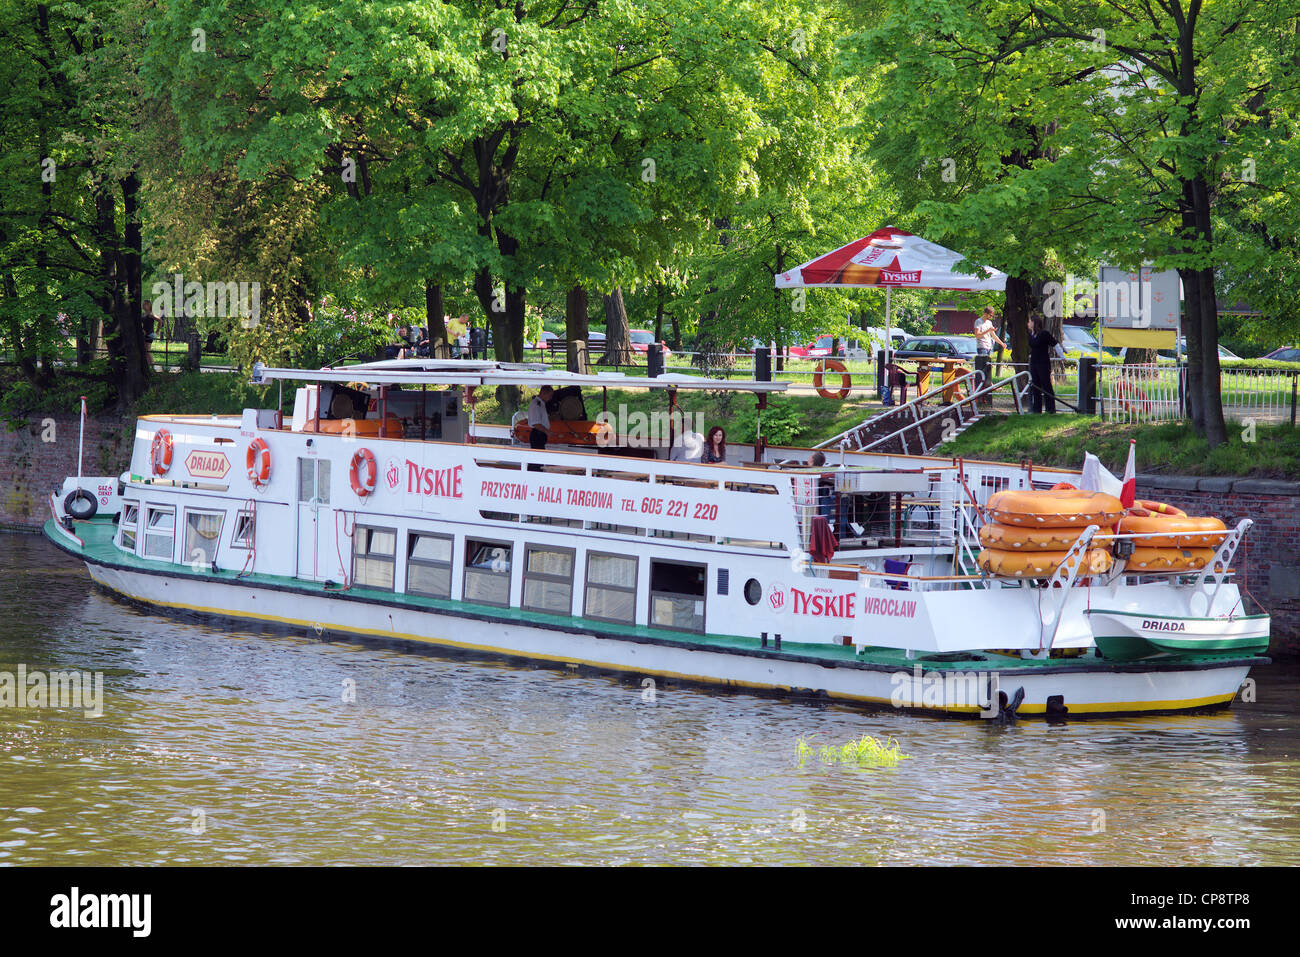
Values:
[(1041, 345)]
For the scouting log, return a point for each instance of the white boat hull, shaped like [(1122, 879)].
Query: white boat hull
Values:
[(1103, 689)]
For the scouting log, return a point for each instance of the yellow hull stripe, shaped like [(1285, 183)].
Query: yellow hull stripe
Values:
[(1075, 707)]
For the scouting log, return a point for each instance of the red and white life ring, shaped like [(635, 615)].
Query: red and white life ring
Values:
[(365, 472), (832, 365), (258, 460), (160, 453)]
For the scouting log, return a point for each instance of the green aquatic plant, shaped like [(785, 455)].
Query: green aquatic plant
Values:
[(866, 752)]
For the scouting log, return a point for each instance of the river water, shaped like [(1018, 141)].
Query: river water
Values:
[(219, 745)]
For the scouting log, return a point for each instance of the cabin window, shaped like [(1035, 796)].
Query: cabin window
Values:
[(611, 587), (428, 564), (548, 579), (127, 526), (677, 595), (245, 526), (160, 534), (373, 550), (487, 572), (202, 535)]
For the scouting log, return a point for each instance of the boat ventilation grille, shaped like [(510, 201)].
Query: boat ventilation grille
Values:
[(724, 581)]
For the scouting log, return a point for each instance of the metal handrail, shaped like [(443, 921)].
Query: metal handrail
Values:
[(913, 405), (947, 408)]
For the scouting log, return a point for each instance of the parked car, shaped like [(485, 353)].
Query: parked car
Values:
[(937, 347), (543, 341), (1285, 354), (643, 339)]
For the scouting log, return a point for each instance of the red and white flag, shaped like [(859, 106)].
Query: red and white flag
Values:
[(1129, 492)]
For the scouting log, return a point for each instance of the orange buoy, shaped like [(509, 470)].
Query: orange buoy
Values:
[(160, 452), (1054, 508), (365, 472), (832, 365), (258, 460)]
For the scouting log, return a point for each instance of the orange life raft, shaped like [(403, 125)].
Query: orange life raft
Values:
[(1038, 564), (1054, 508)]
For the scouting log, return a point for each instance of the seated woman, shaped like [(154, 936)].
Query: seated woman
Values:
[(715, 446)]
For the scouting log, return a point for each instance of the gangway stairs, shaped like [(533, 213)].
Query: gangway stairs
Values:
[(914, 429)]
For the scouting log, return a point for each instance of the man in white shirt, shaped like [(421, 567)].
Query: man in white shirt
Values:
[(985, 335), (539, 421)]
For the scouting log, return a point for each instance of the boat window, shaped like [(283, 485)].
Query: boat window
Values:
[(548, 520), (677, 595), (487, 571), (617, 529), (202, 535), (623, 476), (428, 564), (611, 587), (685, 482), (548, 579), (497, 465), (244, 530), (127, 526), (159, 534), (373, 551), (751, 487)]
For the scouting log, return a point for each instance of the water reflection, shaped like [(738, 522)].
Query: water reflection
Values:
[(220, 746)]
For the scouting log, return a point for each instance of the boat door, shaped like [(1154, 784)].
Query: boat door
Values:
[(313, 511)]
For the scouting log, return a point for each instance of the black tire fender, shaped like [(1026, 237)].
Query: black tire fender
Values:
[(85, 512)]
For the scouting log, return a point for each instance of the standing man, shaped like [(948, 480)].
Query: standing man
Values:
[(539, 422), (985, 335)]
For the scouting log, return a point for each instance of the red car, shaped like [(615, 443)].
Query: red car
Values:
[(821, 346), (643, 339)]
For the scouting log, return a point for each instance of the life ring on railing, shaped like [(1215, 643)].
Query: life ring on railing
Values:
[(258, 460), (1131, 398), (160, 452), (832, 365), (1011, 538), (363, 483), (1169, 559)]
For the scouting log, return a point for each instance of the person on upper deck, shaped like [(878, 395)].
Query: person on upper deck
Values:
[(715, 446), (539, 422)]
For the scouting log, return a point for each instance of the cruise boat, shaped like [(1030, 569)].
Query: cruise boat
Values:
[(381, 509)]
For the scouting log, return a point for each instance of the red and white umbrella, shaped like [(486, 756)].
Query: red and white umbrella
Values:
[(894, 259)]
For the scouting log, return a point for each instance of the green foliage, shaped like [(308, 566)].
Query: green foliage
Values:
[(865, 752), (1267, 451), (781, 422)]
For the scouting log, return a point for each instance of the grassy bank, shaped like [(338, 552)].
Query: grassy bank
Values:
[(1169, 449)]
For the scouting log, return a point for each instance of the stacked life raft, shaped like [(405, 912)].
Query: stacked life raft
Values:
[(1030, 532)]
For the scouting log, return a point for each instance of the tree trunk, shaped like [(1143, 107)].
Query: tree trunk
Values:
[(1018, 305), (618, 342), (577, 328), (435, 319)]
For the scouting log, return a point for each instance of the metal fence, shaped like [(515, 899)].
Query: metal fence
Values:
[(1156, 393)]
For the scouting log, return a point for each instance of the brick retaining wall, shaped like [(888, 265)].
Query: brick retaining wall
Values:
[(35, 466), (1269, 561)]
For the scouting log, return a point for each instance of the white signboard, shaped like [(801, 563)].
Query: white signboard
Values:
[(1142, 299)]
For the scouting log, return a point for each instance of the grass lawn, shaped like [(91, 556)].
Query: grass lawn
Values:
[(1169, 448)]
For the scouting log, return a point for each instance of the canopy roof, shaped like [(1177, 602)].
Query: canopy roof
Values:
[(892, 258), (464, 372)]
